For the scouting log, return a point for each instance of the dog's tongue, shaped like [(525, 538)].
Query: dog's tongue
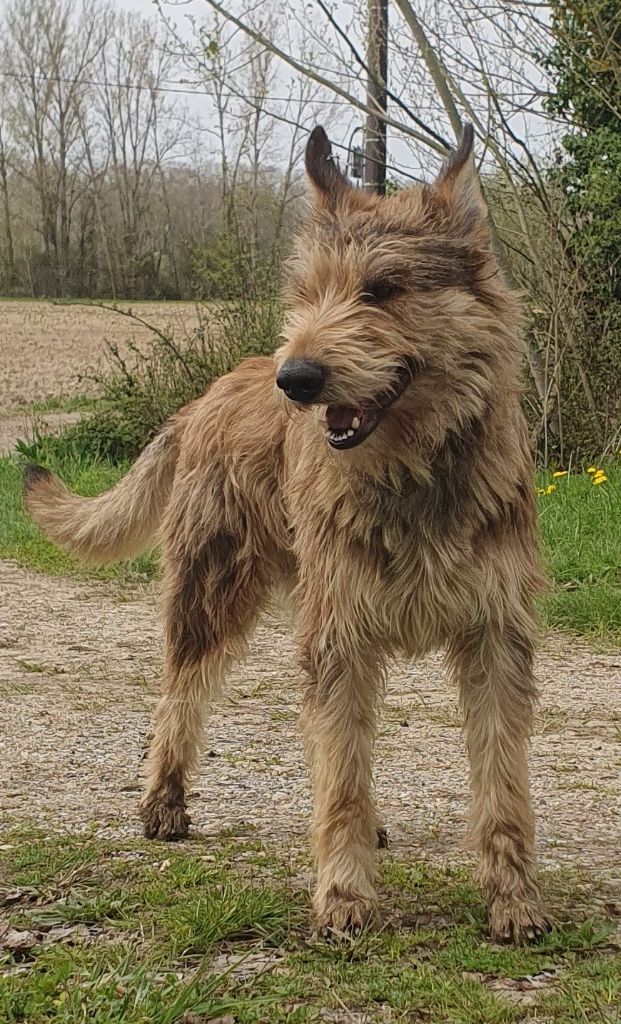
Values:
[(340, 417)]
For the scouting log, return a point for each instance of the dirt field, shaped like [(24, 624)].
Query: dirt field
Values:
[(79, 665), (44, 348)]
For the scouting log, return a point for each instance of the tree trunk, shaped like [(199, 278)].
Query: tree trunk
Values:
[(8, 227)]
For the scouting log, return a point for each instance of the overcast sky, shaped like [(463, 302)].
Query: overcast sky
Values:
[(344, 117), (347, 117)]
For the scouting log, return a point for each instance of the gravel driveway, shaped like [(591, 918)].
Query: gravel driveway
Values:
[(79, 664)]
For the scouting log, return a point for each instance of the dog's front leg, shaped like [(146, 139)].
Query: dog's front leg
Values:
[(339, 720), (493, 663)]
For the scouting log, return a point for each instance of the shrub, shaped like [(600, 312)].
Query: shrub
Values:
[(139, 395)]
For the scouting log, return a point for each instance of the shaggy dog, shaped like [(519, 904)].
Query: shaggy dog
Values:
[(380, 462)]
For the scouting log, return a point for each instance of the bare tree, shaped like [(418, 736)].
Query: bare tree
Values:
[(130, 104), (49, 50), (238, 75)]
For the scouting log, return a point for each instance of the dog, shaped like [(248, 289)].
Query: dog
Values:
[(379, 464)]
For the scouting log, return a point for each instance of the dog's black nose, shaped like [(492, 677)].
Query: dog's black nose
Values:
[(301, 380)]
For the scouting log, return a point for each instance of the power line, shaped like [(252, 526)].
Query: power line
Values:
[(64, 80), (192, 89)]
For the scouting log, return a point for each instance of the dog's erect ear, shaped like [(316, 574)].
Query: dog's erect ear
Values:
[(458, 180), (329, 183)]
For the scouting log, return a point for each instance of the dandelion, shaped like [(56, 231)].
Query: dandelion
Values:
[(550, 488), (560, 472), (592, 469), (599, 478), (541, 490)]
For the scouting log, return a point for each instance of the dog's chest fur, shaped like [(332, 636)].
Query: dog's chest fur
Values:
[(399, 551)]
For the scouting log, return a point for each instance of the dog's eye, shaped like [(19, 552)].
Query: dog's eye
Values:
[(376, 292)]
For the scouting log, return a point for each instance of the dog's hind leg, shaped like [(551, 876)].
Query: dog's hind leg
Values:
[(339, 721), (493, 664), (213, 591)]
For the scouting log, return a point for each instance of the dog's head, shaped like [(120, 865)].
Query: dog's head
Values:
[(398, 317)]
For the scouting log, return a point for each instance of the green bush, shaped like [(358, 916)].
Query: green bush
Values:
[(139, 398), (584, 64)]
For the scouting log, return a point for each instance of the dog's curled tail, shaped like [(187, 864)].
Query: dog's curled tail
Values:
[(116, 524)]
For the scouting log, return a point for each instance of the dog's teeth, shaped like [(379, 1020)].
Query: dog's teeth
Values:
[(355, 424), (339, 435)]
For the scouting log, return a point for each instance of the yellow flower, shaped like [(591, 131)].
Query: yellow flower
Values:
[(550, 488), (592, 469), (601, 478), (560, 472), (541, 490)]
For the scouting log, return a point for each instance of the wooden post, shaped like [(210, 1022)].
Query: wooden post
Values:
[(377, 61)]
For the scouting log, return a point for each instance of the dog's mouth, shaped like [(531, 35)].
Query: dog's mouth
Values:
[(348, 425)]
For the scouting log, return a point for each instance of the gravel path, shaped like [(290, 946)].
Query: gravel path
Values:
[(79, 666)]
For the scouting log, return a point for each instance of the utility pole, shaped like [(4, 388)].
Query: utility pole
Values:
[(377, 62)]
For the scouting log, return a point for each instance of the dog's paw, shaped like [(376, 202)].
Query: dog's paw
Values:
[(343, 914), (518, 921), (164, 818)]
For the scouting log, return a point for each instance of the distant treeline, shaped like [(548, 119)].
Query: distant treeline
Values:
[(107, 186)]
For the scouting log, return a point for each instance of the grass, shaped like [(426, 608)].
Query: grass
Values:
[(580, 524), (581, 531), (139, 933), (109, 300), (21, 540), (65, 403)]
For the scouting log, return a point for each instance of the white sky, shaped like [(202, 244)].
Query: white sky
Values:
[(400, 153)]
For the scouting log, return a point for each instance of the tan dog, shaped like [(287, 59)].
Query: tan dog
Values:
[(393, 482)]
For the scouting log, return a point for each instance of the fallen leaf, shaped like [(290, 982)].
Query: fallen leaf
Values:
[(23, 939), (14, 938), (10, 896), (243, 967)]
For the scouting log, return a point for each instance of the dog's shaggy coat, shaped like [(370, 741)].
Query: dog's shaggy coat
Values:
[(395, 491)]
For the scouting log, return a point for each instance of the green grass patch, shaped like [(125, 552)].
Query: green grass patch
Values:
[(21, 539), (580, 524), (581, 530), (66, 403), (137, 933)]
